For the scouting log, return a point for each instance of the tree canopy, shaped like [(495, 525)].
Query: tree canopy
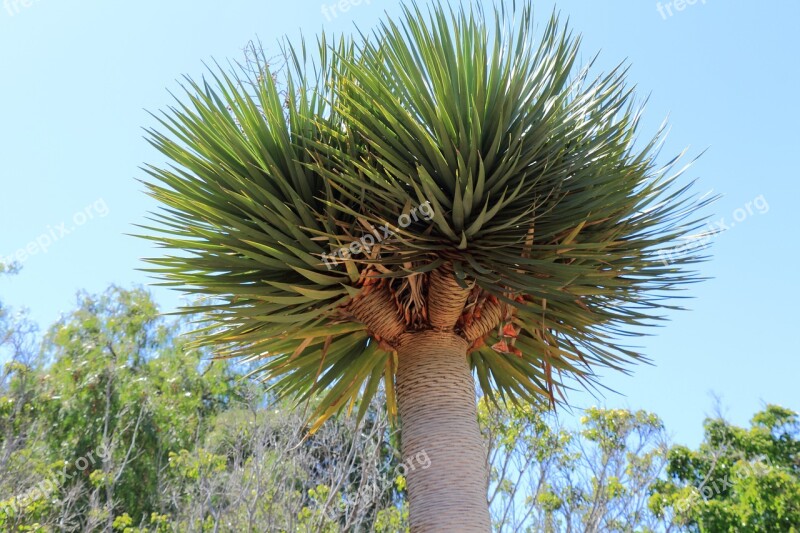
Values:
[(543, 221)]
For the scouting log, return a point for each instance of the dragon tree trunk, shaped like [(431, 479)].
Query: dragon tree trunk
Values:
[(436, 402)]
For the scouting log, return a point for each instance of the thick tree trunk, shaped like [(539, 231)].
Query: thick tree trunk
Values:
[(443, 452)]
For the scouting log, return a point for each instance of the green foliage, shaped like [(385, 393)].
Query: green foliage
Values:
[(208, 452), (547, 478), (392, 520), (739, 479), (128, 428), (120, 380), (157, 524), (120, 386)]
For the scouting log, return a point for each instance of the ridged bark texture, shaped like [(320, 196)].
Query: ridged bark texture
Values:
[(377, 311), (436, 402), (446, 298)]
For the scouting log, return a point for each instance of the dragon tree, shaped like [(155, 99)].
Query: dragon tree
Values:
[(450, 197)]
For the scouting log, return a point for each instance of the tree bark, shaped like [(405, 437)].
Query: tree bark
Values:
[(443, 451)]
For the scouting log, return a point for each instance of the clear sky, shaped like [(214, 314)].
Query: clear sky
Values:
[(78, 77)]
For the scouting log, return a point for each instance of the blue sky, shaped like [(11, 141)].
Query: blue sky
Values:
[(78, 77)]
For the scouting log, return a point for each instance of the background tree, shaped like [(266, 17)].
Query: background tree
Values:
[(739, 479), (256, 472), (124, 427), (489, 204), (22, 427), (595, 478)]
